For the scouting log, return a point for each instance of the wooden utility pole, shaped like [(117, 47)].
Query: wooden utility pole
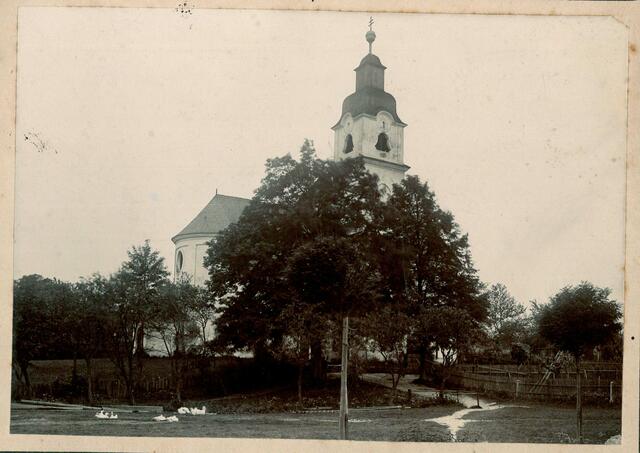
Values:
[(344, 405)]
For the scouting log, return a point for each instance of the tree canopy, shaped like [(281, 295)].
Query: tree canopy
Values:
[(578, 318), (319, 240), (305, 235)]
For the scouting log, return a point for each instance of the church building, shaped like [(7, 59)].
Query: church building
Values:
[(369, 126)]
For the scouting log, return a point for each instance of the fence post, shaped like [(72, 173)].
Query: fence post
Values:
[(611, 392), (517, 387)]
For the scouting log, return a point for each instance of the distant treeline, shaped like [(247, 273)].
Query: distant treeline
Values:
[(319, 241)]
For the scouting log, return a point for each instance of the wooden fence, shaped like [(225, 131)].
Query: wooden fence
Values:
[(599, 382), (114, 389)]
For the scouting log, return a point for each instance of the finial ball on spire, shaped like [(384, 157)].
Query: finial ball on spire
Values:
[(371, 35)]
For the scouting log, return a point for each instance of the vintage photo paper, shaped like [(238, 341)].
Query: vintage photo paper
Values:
[(333, 225)]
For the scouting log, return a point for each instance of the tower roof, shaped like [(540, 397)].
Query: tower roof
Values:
[(370, 101), (370, 97), (218, 214), (372, 60)]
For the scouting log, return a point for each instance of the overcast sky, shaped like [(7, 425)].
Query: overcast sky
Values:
[(516, 122)]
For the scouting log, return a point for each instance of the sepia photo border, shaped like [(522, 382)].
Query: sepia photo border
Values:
[(627, 13)]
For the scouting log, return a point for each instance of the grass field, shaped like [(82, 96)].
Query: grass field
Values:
[(535, 424), (395, 424), (539, 423), (277, 414)]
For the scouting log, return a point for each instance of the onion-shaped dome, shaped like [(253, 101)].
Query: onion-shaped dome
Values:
[(371, 101)]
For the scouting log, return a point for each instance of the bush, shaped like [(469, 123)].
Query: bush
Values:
[(71, 388), (246, 375)]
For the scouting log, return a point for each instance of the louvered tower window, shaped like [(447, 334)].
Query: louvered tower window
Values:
[(383, 142), (348, 144)]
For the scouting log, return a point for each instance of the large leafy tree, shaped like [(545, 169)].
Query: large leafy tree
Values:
[(203, 312), (386, 328), (39, 323), (88, 330), (329, 279), (304, 239), (133, 294), (576, 320), (452, 330), (57, 320), (505, 319), (174, 324), (426, 260)]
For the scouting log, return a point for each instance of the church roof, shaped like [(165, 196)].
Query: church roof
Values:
[(218, 214), (372, 60), (369, 100)]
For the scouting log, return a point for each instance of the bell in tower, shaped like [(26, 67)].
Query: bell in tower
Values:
[(369, 125)]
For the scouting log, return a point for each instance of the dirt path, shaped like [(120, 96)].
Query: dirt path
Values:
[(453, 422), (466, 398), (456, 421)]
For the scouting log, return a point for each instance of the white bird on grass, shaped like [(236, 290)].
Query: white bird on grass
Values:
[(196, 411), (113, 416), (184, 410), (102, 414), (160, 418), (171, 419)]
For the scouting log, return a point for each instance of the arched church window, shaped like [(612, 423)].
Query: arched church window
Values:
[(348, 144), (179, 260), (383, 142)]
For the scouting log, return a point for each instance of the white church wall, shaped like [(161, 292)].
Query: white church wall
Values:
[(193, 250), (365, 130), (387, 176), (370, 129)]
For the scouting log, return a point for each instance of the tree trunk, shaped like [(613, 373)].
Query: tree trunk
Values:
[(443, 382), (422, 359), (300, 375), (394, 385), (89, 380), (578, 401), (130, 392), (317, 362), (140, 341), (260, 352), (178, 371), (130, 384), (24, 368), (179, 389), (74, 374)]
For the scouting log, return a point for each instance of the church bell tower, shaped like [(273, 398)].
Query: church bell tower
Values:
[(369, 125)]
